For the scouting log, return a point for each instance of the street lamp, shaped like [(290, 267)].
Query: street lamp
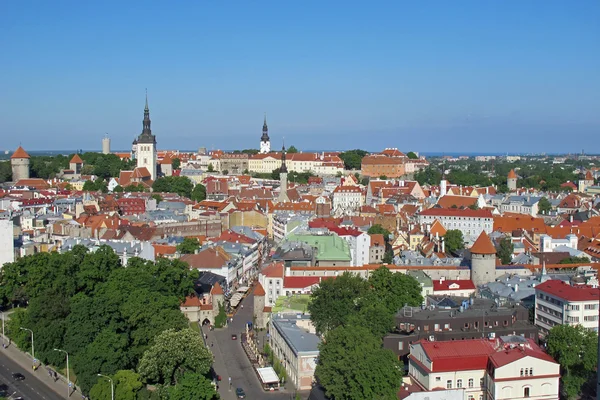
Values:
[(32, 347), (112, 387), (68, 378), (3, 337)]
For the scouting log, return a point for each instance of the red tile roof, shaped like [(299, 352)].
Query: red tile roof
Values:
[(448, 201), (512, 174), (377, 239), (458, 355), (509, 355), (300, 282), (191, 301), (20, 153), (216, 289), (273, 270), (259, 290), (483, 245), (455, 212), (564, 291), (448, 285), (76, 160)]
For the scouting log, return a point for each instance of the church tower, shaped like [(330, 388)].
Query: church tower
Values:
[(283, 171), (145, 145), (265, 142)]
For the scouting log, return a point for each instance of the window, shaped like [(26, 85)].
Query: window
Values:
[(530, 371), (521, 371), (526, 392), (448, 384), (400, 345), (481, 382), (470, 382), (459, 383), (437, 378), (470, 397)]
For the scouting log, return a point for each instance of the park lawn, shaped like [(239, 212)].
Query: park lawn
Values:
[(293, 303)]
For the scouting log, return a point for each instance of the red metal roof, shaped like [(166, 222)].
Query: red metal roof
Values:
[(446, 285), (458, 355), (300, 282), (455, 212), (564, 291)]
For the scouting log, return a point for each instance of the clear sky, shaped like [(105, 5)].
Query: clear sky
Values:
[(472, 76)]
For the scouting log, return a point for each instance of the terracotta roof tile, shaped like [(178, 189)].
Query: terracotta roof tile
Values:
[(483, 245), (20, 153)]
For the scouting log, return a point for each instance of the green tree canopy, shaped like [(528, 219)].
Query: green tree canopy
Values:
[(353, 158), (210, 168), (335, 300), (173, 354), (454, 240), (354, 366), (505, 251), (291, 150), (411, 155), (127, 384), (576, 350), (199, 192), (176, 163), (378, 229), (193, 386), (544, 206), (174, 184), (395, 290), (188, 246), (575, 260)]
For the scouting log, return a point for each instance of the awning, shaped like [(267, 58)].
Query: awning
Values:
[(267, 375), (242, 289)]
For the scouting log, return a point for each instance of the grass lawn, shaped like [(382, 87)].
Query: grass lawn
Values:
[(195, 326), (294, 303)]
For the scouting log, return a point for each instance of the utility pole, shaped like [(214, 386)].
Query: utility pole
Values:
[(32, 347), (68, 378), (112, 386)]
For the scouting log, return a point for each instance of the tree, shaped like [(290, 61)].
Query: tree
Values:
[(335, 300), (188, 246), (157, 197), (292, 150), (575, 349), (173, 354), (378, 229), (411, 155), (181, 185), (352, 158), (383, 177), (394, 290), (354, 366), (176, 163), (505, 251), (210, 168), (193, 386), (199, 192), (544, 206), (388, 257), (575, 260), (221, 318), (225, 172), (118, 189), (127, 384), (135, 187), (275, 174), (454, 240)]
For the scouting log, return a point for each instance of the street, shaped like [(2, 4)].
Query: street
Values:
[(231, 361), (29, 388)]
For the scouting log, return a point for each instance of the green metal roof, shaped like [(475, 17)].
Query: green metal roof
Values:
[(329, 247)]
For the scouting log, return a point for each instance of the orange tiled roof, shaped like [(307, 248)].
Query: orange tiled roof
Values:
[(512, 174), (259, 290), (483, 245), (76, 160), (20, 153)]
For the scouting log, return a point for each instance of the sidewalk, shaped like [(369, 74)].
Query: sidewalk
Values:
[(24, 360)]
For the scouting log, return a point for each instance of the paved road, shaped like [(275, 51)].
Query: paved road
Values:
[(31, 388), (231, 361)]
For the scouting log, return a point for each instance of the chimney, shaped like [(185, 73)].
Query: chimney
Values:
[(443, 245)]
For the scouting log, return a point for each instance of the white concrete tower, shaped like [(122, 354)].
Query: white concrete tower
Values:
[(265, 142), (106, 144), (146, 145)]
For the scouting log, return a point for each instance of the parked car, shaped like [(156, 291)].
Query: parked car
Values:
[(234, 337), (239, 392), (17, 376)]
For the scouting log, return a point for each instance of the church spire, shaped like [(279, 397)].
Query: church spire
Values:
[(146, 136), (283, 168), (146, 109)]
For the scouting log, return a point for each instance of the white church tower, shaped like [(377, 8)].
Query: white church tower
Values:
[(265, 142), (146, 145)]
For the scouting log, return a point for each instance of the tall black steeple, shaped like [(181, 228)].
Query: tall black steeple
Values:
[(146, 136), (265, 132), (283, 168)]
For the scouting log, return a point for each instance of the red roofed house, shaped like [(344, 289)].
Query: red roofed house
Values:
[(457, 288), (346, 199), (299, 284), (559, 303), (271, 280), (213, 259), (377, 248), (510, 367)]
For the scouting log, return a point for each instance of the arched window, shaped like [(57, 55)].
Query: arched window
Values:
[(526, 392)]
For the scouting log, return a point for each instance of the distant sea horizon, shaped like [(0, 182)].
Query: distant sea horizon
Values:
[(5, 154)]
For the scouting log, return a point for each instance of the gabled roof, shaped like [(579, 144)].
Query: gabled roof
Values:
[(458, 355), (273, 270), (483, 245), (453, 285), (448, 201), (437, 228), (565, 291), (216, 289), (20, 153), (300, 282), (76, 160)]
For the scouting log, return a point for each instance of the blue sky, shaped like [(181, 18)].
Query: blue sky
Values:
[(472, 76)]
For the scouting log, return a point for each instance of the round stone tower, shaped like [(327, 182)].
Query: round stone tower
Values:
[(511, 180), (259, 306), (19, 162), (483, 260)]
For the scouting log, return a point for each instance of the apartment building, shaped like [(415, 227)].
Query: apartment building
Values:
[(558, 302)]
